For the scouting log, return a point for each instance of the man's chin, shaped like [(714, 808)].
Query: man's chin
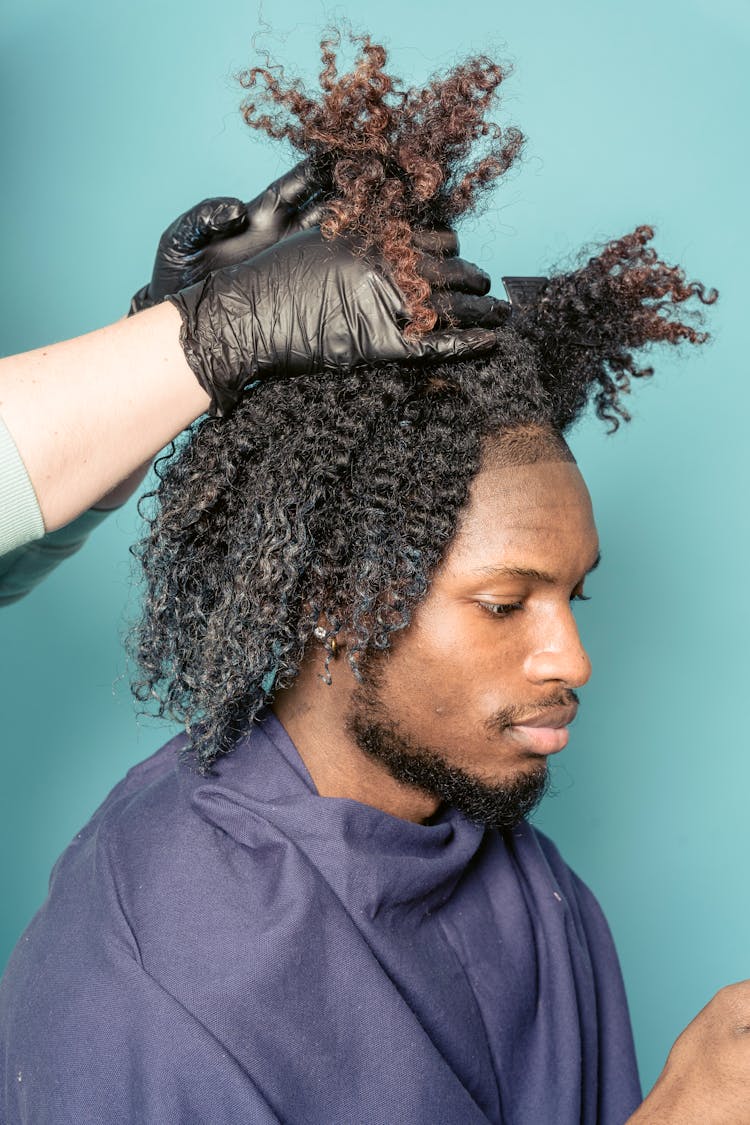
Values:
[(501, 805), (493, 804)]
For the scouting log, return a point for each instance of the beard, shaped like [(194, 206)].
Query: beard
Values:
[(500, 805)]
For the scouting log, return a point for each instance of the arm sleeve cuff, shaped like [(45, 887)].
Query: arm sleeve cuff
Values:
[(20, 515), (23, 569)]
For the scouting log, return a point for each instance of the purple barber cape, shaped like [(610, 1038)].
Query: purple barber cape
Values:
[(237, 950)]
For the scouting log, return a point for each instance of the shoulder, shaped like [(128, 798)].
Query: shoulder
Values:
[(107, 884), (138, 813), (125, 853), (91, 1028)]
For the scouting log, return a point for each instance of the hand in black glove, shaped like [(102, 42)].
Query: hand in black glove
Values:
[(224, 231), (307, 305), (459, 287)]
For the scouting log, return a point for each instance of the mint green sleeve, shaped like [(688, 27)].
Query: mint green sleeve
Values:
[(20, 514), (25, 567), (27, 555)]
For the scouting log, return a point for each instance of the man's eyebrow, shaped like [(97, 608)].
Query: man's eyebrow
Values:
[(528, 572)]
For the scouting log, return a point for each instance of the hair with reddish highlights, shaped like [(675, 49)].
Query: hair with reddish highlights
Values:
[(586, 323), (396, 158)]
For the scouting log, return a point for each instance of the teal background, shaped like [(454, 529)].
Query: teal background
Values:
[(117, 117)]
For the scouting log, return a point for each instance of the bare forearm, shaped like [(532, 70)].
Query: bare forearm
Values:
[(87, 413)]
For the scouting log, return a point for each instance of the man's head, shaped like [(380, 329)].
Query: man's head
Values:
[(374, 507), (476, 693), (350, 503), (409, 580), (335, 502)]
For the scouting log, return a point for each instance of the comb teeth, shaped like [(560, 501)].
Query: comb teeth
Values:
[(523, 291)]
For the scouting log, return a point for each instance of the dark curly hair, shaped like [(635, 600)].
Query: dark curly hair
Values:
[(332, 499), (395, 158)]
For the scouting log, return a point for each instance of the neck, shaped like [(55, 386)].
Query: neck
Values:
[(314, 715)]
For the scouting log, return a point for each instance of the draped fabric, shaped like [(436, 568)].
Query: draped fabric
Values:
[(237, 950)]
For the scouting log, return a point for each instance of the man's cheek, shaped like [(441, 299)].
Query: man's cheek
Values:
[(432, 697)]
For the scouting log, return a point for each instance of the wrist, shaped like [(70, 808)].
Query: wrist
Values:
[(211, 362)]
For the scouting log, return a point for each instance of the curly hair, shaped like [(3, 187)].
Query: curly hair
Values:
[(332, 499), (592, 319), (395, 158)]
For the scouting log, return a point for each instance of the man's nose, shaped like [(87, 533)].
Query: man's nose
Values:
[(558, 654)]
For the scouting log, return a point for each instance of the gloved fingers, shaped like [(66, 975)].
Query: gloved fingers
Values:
[(456, 274), (452, 343), (466, 310), (312, 215), (438, 241), (203, 223), (295, 187)]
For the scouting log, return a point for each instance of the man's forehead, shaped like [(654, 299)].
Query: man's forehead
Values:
[(529, 515), (526, 475), (528, 496)]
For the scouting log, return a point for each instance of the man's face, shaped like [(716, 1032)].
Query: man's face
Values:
[(477, 692)]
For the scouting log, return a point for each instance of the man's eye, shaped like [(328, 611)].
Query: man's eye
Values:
[(580, 597), (501, 610)]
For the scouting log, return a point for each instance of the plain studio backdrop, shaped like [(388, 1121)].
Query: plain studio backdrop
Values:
[(115, 118)]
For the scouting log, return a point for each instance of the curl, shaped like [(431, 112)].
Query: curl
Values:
[(591, 321), (395, 158)]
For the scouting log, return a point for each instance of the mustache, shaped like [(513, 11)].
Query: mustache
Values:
[(506, 717)]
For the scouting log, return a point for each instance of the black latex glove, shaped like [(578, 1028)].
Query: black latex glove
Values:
[(224, 231), (459, 288), (307, 305)]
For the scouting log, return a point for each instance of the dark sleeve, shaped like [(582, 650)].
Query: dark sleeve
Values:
[(617, 1064)]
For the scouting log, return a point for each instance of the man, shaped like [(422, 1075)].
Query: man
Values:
[(345, 916)]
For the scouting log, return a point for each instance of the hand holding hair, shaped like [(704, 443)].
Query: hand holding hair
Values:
[(216, 233), (309, 305), (224, 231)]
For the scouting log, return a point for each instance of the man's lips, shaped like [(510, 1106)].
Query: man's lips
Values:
[(545, 732)]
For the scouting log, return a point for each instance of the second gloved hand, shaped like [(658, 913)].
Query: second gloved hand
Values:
[(309, 305), (223, 231)]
